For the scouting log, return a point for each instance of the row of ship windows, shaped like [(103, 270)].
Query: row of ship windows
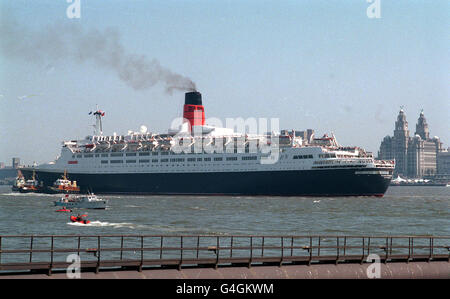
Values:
[(115, 155), (174, 160), (191, 159), (246, 150), (360, 161), (303, 157), (179, 160), (338, 166), (333, 155), (182, 159), (327, 155)]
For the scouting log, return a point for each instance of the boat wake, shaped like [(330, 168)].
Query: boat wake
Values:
[(29, 194), (198, 208), (106, 224)]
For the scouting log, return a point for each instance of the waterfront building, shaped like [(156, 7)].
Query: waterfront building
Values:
[(15, 163), (443, 163), (395, 147), (416, 156)]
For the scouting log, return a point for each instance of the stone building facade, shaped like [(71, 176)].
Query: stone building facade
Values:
[(444, 164), (415, 157)]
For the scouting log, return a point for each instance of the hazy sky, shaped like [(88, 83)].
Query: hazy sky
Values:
[(313, 64)]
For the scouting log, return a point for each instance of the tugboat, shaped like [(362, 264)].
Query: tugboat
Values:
[(89, 201), (63, 185), (31, 185), (19, 182)]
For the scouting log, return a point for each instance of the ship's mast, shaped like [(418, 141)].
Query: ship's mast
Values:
[(98, 124), (98, 129)]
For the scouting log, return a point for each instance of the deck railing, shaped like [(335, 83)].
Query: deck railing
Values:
[(51, 252)]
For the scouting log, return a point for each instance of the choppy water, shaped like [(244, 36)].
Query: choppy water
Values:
[(403, 210)]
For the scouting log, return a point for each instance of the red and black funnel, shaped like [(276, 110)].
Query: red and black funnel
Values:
[(193, 110)]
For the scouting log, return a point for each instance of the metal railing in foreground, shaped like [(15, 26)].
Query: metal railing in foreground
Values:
[(51, 252)]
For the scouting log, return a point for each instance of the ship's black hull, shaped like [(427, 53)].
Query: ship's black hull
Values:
[(329, 182)]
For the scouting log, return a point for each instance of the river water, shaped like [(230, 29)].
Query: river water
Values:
[(403, 210)]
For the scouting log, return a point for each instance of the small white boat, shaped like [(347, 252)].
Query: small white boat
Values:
[(89, 201)]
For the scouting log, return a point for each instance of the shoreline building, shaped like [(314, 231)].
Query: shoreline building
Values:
[(415, 157), (443, 171), (15, 162)]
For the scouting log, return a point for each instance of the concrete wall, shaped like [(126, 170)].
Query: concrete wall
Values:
[(397, 270)]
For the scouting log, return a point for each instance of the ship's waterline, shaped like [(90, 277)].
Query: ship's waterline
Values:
[(338, 182)]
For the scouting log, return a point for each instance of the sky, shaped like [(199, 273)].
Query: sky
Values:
[(323, 65)]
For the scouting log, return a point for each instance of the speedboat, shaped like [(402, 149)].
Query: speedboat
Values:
[(79, 219)]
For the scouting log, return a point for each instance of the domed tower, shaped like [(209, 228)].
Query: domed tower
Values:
[(422, 127), (401, 125), (401, 138)]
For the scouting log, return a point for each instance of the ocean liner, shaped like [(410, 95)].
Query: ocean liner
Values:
[(199, 159)]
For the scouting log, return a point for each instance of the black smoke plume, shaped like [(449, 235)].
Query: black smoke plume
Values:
[(101, 48)]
